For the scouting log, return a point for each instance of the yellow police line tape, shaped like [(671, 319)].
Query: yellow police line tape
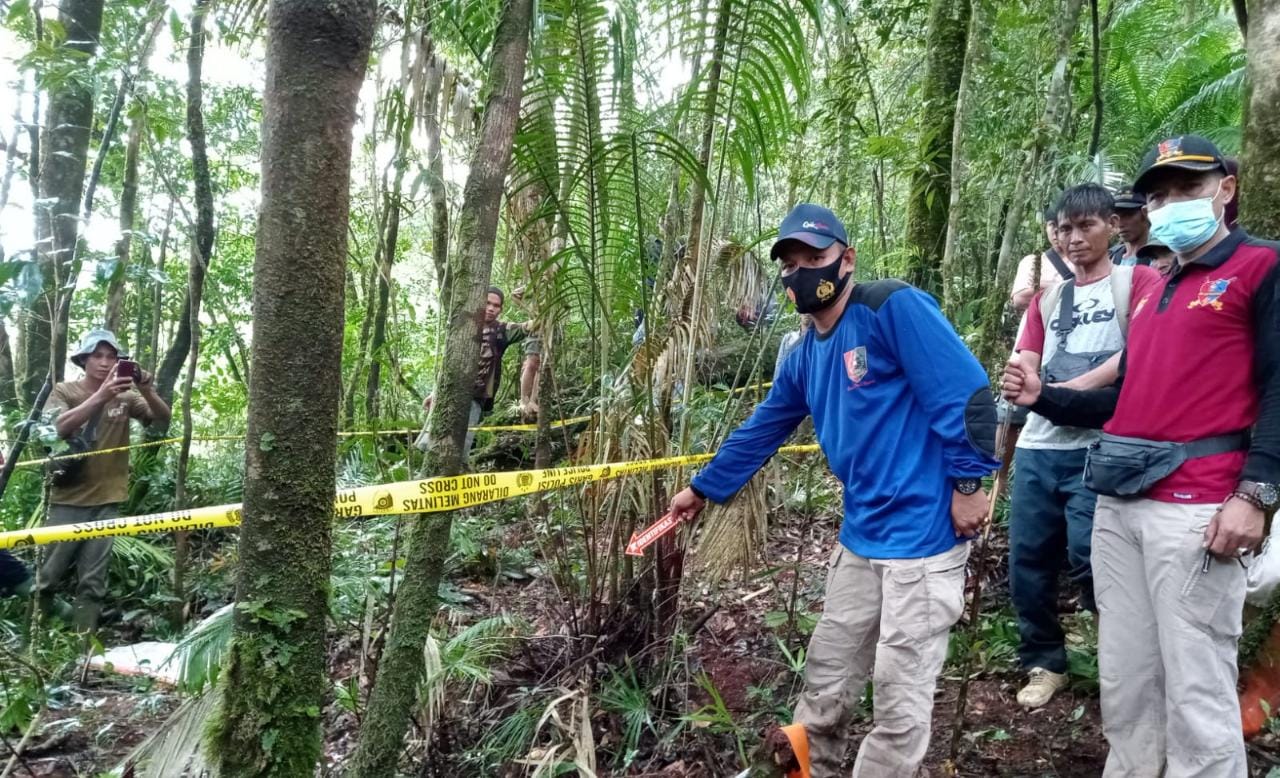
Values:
[(429, 495), (355, 434)]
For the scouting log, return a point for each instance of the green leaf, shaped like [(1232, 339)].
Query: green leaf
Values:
[(176, 27), (267, 442), (17, 10)]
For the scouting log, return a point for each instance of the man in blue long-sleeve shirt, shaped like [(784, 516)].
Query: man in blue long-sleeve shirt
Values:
[(905, 417)]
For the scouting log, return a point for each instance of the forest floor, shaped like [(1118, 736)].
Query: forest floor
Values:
[(98, 722)]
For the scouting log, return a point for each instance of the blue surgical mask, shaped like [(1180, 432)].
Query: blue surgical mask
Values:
[(1186, 225)]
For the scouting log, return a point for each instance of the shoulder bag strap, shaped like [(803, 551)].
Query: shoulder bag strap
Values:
[(1059, 265)]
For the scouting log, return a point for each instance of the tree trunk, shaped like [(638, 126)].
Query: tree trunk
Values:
[(167, 375), (403, 125), (1039, 156), (8, 387), (157, 292), (930, 195), (64, 156), (387, 717), (1260, 191), (11, 152), (1095, 138), (128, 201), (435, 177), (694, 255), (274, 686), (954, 292)]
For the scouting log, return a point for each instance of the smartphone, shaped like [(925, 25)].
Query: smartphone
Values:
[(127, 368)]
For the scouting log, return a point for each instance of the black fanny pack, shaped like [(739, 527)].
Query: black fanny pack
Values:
[(1128, 467)]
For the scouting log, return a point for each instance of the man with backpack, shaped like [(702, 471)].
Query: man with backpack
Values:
[(1187, 469), (93, 414), (1072, 329)]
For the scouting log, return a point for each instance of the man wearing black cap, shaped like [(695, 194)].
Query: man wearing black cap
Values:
[(1187, 468), (1132, 227), (1156, 256), (905, 417)]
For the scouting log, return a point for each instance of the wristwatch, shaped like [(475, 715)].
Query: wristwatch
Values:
[(1262, 495), (968, 486)]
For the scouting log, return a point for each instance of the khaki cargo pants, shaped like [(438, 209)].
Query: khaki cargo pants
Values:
[(1167, 635), (892, 615)]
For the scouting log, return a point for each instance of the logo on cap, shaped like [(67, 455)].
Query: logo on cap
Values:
[(815, 226), (1168, 149)]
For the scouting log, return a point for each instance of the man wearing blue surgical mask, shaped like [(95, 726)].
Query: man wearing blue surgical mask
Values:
[(905, 418), (1187, 469)]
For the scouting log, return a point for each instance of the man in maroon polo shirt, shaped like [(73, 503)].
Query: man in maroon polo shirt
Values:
[(1186, 470)]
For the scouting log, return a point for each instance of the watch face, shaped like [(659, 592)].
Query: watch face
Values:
[(1268, 494)]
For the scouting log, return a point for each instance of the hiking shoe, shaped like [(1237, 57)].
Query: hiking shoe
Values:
[(1041, 688)]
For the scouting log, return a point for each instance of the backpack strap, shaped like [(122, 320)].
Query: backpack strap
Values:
[(1059, 265), (1121, 293), (1066, 312), (1049, 303)]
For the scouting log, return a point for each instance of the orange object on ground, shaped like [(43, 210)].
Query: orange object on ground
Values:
[(800, 746), (1261, 683)]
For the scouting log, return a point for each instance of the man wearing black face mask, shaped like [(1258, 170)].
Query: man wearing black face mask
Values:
[(905, 417)]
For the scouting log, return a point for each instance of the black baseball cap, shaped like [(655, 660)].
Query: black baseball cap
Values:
[(812, 225), (1153, 249), (1185, 152), (1129, 200)]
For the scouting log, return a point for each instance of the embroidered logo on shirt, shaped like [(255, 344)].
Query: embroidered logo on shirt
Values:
[(1211, 293), (855, 363), (115, 411), (1137, 309)]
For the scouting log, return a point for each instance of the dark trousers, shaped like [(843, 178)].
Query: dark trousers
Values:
[(91, 558), (1050, 525)]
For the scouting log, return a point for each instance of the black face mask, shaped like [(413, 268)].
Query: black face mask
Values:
[(815, 288)]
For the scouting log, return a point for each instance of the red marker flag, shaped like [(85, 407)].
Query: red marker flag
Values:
[(650, 534)]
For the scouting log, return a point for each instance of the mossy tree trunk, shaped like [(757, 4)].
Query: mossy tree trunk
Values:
[(1040, 154), (124, 246), (1260, 168), (953, 277), (930, 183), (1260, 201), (273, 685), (392, 698), (401, 121), (202, 250), (64, 152)]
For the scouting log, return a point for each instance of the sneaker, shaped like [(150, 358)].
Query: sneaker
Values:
[(1041, 688)]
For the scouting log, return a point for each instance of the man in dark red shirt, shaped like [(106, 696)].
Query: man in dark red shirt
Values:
[(1187, 469)]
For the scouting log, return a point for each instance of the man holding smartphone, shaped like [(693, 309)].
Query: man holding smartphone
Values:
[(97, 408)]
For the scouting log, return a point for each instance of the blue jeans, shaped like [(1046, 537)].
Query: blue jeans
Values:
[(1050, 526)]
